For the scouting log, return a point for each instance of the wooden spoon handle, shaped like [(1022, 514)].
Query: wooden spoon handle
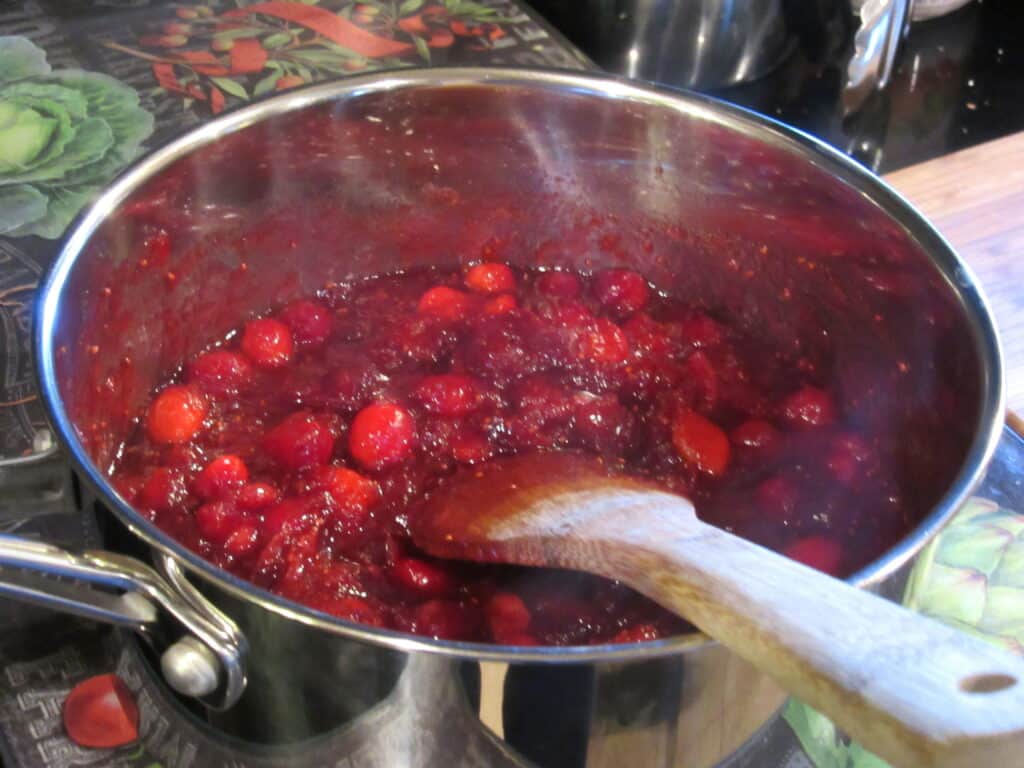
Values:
[(917, 692)]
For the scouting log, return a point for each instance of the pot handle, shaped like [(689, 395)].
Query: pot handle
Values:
[(882, 24), (208, 663)]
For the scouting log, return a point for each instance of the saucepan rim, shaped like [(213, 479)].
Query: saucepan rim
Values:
[(957, 275)]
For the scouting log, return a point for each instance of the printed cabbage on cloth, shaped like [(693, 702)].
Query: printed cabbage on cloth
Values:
[(970, 576), (63, 135)]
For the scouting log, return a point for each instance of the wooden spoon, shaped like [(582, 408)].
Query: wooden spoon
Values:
[(913, 690)]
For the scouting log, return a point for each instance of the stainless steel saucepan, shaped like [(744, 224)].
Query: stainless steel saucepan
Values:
[(317, 185)]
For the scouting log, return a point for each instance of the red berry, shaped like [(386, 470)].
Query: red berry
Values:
[(445, 619), (163, 490), (243, 541), (217, 520), (777, 497), (267, 342), (448, 394), (291, 516), (220, 372), (444, 303), (640, 633), (846, 456), (817, 552), (100, 713), (310, 321), (345, 530), (604, 343), (700, 442), (300, 442), (563, 285), (507, 618), (348, 488), (256, 496), (621, 291), (807, 408), (648, 337), (423, 578), (699, 331), (755, 436), (220, 477), (468, 448), (603, 423), (176, 415), (501, 305), (490, 278), (382, 434)]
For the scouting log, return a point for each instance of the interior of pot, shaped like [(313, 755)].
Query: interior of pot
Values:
[(712, 207)]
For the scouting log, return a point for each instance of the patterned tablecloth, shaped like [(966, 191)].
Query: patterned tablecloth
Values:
[(97, 83)]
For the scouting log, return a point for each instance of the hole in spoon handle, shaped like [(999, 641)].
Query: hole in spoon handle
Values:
[(988, 683)]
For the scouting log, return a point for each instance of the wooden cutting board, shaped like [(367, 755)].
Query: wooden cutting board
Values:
[(975, 198)]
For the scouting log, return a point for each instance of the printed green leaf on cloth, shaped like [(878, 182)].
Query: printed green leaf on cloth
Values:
[(218, 58), (970, 576), (63, 136)]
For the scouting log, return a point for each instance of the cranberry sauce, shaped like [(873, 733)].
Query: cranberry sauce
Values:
[(295, 453)]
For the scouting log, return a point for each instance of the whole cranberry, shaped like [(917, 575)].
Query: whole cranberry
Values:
[(256, 496), (563, 285), (699, 331), (621, 292), (222, 476), (162, 490), (639, 633), (817, 552), (382, 434), (807, 408), (490, 278), (220, 372), (648, 337), (604, 343), (508, 618), (448, 394), (267, 342), (310, 321), (846, 456), (500, 348), (777, 497), (444, 303), (300, 442), (293, 515), (347, 487), (700, 442), (501, 305), (755, 436), (603, 424), (345, 531), (243, 541), (176, 415), (446, 620), (217, 520), (423, 577)]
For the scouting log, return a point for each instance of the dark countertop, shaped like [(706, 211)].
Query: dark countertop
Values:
[(959, 81)]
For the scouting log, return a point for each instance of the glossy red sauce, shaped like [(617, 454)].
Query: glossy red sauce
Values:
[(295, 453)]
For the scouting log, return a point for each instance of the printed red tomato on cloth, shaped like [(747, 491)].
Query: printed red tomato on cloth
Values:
[(101, 713)]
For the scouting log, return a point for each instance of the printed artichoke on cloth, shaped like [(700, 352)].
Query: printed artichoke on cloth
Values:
[(63, 136), (970, 576)]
